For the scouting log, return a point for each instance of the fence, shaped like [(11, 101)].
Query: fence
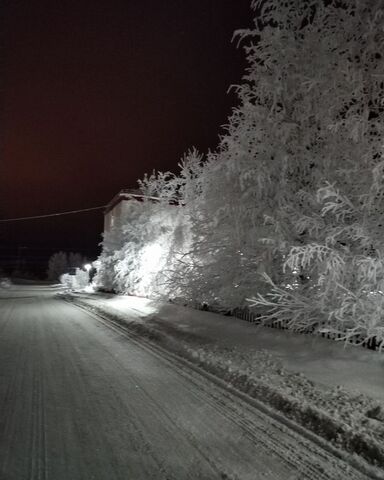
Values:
[(249, 316)]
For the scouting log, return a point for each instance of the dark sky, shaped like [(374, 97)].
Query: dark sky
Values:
[(97, 93)]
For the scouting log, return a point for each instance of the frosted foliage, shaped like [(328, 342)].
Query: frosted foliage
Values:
[(222, 262), (287, 211), (162, 185), (78, 281), (61, 262), (316, 83), (57, 265), (154, 233)]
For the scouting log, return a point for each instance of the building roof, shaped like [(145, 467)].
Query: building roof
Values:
[(126, 194)]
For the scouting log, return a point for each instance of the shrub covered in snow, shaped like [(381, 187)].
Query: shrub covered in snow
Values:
[(61, 262), (78, 281), (149, 238)]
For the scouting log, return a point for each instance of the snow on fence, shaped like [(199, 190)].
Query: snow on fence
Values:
[(245, 314)]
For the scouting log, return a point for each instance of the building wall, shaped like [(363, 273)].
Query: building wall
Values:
[(114, 216), (108, 221)]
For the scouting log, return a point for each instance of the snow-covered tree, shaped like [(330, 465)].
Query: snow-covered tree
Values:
[(289, 206), (314, 90), (77, 281), (139, 250), (61, 262), (76, 260), (220, 264), (57, 265)]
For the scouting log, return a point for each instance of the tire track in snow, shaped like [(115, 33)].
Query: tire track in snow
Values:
[(85, 401), (38, 452), (11, 386), (136, 415), (310, 460)]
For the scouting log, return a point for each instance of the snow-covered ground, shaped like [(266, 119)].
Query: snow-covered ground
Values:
[(83, 398), (335, 391)]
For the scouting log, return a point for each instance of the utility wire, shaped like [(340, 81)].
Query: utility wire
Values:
[(70, 212)]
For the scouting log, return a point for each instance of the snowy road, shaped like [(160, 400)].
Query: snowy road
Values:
[(80, 400)]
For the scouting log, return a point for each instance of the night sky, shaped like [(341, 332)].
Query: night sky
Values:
[(97, 93)]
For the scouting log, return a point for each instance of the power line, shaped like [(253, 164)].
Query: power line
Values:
[(34, 217)]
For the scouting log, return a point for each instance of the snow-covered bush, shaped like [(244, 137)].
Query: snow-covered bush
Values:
[(156, 239), (150, 236), (221, 265), (61, 262), (66, 280), (78, 281)]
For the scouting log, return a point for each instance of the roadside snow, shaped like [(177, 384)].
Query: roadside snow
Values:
[(5, 282), (323, 361), (337, 392)]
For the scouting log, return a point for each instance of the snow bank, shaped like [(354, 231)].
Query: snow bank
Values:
[(5, 282)]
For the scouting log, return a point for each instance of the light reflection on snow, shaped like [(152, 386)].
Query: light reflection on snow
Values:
[(152, 262), (151, 258), (123, 302), (89, 289)]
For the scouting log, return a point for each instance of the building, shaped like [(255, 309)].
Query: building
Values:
[(118, 207)]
